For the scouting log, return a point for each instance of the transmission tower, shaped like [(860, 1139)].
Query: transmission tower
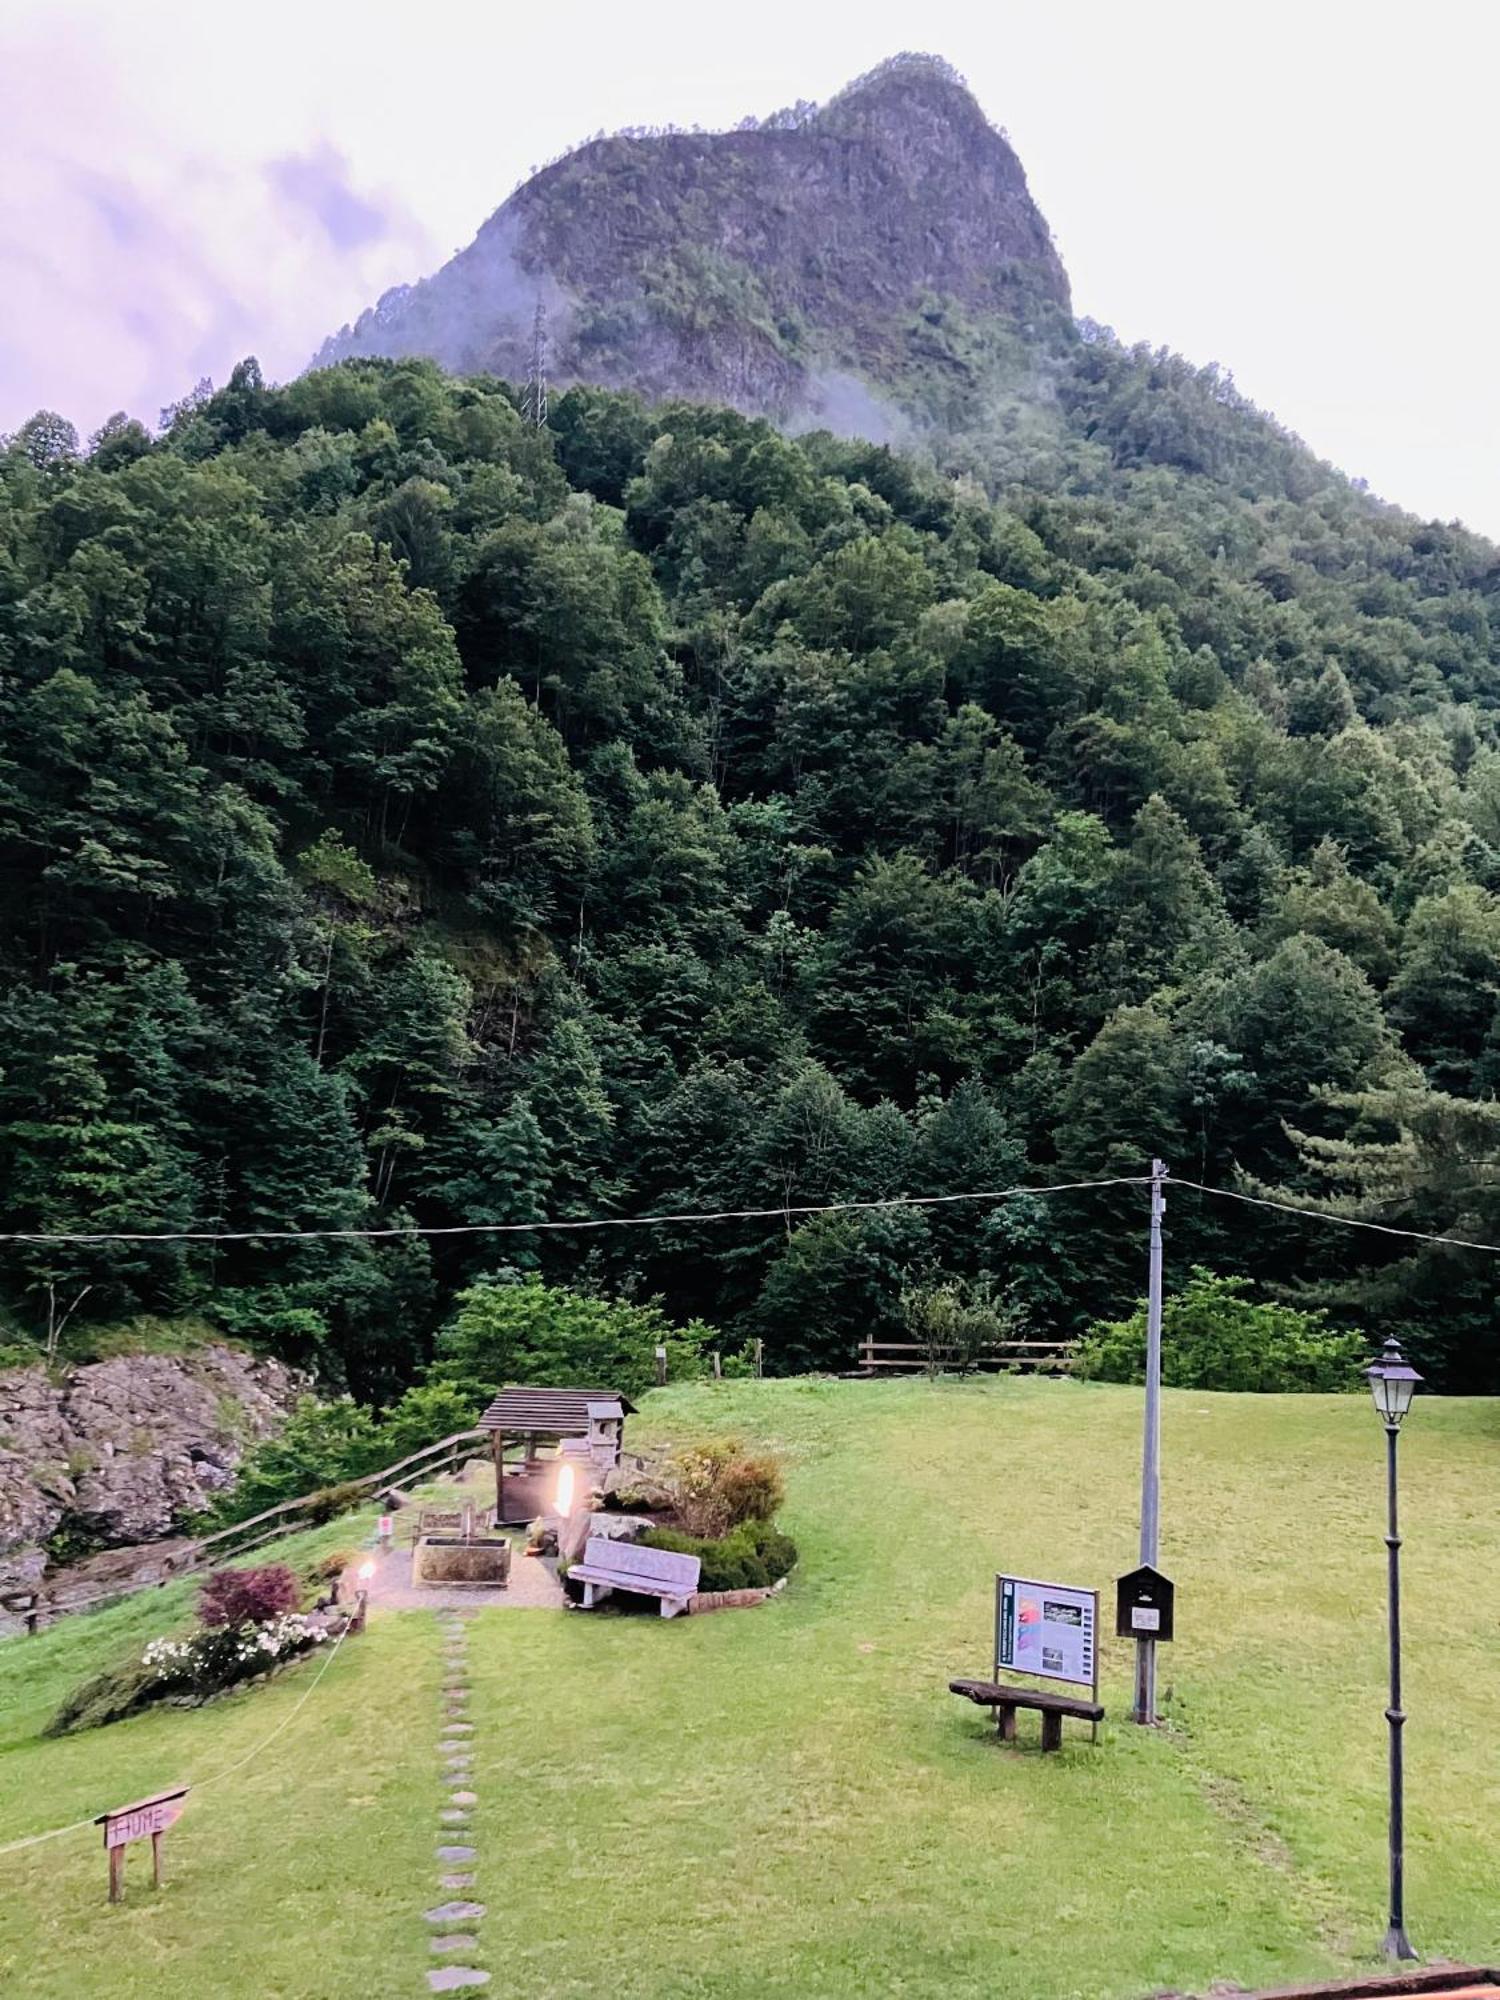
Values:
[(534, 403)]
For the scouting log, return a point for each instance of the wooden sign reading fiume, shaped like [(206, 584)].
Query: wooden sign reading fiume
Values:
[(146, 1818)]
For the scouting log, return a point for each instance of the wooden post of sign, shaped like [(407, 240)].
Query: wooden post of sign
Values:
[(156, 1863)]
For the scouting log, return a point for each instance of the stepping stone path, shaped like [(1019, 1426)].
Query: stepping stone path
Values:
[(458, 1758)]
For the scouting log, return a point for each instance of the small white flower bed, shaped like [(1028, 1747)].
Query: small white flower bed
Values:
[(218, 1657)]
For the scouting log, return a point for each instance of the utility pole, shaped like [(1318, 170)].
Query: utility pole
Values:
[(1145, 1649), (534, 403)]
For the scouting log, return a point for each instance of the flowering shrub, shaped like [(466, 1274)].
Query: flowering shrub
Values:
[(218, 1656), (192, 1668), (247, 1596)]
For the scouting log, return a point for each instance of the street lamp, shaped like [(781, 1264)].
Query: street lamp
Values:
[(1393, 1384)]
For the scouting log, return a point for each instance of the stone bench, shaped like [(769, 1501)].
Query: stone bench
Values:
[(609, 1565)]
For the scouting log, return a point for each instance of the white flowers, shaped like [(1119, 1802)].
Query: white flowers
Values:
[(165, 1655), (286, 1634), (204, 1656)]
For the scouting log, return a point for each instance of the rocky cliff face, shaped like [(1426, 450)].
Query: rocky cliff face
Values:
[(781, 269), (122, 1450)]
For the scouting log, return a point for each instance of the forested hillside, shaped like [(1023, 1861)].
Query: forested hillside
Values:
[(409, 815)]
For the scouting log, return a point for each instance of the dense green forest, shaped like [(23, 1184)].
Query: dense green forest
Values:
[(410, 816)]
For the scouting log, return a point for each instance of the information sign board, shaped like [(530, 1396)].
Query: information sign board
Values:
[(1046, 1629)]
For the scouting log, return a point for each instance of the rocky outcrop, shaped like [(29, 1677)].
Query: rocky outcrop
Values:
[(782, 268), (121, 1451)]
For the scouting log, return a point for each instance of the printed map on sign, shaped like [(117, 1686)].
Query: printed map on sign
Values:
[(1045, 1629)]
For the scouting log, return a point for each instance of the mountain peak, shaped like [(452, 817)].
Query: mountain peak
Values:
[(751, 267), (903, 83)]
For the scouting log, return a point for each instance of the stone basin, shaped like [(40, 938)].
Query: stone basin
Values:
[(449, 1559)]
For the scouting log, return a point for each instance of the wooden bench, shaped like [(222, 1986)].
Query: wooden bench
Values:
[(1005, 1700), (608, 1565)]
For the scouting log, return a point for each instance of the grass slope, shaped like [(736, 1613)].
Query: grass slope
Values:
[(787, 1801)]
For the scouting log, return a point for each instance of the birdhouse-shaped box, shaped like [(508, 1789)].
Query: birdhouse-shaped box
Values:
[(1143, 1604)]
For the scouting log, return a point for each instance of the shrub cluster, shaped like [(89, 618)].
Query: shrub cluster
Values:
[(1215, 1337), (246, 1596), (716, 1484), (750, 1557), (249, 1624), (216, 1657)]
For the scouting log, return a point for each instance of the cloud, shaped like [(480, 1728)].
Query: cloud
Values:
[(318, 182), (136, 259)]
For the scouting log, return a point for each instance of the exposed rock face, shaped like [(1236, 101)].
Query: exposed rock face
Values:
[(777, 269), (124, 1449)]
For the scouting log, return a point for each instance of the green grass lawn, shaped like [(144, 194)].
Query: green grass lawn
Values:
[(787, 1801)]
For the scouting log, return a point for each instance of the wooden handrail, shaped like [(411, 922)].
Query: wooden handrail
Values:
[(187, 1558), (381, 1478)]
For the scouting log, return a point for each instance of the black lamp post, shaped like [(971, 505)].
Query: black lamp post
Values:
[(1393, 1384)]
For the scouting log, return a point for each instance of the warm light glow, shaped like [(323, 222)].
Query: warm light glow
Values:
[(565, 1488), (366, 1571)]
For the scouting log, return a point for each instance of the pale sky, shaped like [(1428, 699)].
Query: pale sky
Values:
[(1303, 193)]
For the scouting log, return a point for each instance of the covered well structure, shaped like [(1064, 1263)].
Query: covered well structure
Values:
[(594, 1418)]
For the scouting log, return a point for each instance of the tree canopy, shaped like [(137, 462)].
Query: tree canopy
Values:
[(414, 818)]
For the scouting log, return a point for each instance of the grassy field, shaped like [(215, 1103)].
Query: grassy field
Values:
[(787, 1801)]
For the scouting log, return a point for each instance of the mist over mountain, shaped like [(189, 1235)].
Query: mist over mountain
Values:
[(874, 266), (804, 268)]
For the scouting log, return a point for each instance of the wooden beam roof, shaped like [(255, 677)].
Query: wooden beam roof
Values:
[(548, 1412)]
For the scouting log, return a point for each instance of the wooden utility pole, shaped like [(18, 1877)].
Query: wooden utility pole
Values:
[(1145, 1648)]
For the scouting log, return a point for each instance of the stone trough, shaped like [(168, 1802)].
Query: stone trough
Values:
[(449, 1559)]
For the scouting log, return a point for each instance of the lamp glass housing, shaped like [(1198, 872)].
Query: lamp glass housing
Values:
[(1393, 1383)]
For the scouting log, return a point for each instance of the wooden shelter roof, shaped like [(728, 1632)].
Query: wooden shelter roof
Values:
[(549, 1412)]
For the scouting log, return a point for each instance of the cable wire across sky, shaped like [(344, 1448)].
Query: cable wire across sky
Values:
[(782, 1211)]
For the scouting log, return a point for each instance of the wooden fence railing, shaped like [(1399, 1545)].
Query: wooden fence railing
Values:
[(1035, 1357), (285, 1517)]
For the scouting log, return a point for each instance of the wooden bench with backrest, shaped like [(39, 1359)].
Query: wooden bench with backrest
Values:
[(1005, 1700), (609, 1565)]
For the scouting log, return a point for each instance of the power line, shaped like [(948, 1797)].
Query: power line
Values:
[(1341, 1221), (785, 1209)]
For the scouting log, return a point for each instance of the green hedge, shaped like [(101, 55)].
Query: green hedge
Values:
[(750, 1557), (1213, 1336)]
